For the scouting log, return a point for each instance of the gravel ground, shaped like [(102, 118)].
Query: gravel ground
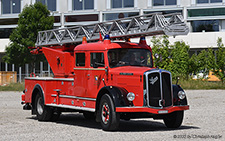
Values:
[(204, 120)]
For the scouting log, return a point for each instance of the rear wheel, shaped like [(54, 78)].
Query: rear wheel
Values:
[(109, 118), (55, 115), (174, 120), (43, 112)]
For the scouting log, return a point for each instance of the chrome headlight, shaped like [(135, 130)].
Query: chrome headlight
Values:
[(130, 96), (181, 94)]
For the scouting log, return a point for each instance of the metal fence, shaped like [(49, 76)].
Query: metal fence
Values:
[(10, 73)]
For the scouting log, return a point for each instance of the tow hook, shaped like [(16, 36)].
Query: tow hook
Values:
[(27, 106)]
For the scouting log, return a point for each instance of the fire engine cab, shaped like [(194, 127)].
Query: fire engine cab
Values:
[(104, 79)]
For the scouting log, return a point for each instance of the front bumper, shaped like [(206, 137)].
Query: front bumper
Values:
[(151, 110), (23, 98)]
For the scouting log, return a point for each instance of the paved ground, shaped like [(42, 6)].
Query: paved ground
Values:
[(204, 120)]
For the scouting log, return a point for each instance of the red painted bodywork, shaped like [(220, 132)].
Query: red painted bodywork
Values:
[(150, 110), (79, 86)]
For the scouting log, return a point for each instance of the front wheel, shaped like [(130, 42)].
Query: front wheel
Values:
[(109, 118), (174, 120)]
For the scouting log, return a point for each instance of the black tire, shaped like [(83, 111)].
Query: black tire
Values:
[(43, 112), (108, 116), (89, 115), (174, 120), (55, 115)]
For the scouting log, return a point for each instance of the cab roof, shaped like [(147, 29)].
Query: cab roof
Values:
[(107, 44)]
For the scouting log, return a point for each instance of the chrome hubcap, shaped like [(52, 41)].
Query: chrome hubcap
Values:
[(39, 106), (105, 113)]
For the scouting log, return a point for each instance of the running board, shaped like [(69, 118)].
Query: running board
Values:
[(72, 107)]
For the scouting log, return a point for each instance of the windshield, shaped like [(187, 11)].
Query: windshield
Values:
[(129, 57)]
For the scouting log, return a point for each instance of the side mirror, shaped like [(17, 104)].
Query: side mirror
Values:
[(106, 70), (156, 55), (178, 78)]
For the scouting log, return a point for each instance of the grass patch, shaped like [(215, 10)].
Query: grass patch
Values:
[(185, 84), (200, 84), (13, 87)]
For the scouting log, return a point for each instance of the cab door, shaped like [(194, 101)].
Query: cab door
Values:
[(95, 74), (80, 74)]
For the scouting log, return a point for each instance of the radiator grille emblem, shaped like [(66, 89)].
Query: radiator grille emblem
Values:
[(153, 80)]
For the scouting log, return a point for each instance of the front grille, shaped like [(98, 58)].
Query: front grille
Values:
[(154, 91), (159, 88), (166, 89)]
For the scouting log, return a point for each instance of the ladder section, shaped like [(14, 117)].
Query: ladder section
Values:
[(144, 25)]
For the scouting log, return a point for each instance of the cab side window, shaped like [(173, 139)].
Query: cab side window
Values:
[(97, 60), (80, 59)]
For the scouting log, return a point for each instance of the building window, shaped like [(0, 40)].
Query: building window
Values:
[(9, 21), (83, 4), (208, 1), (56, 19), (113, 16), (164, 12), (164, 2), (206, 12), (51, 4), (206, 25), (122, 3), (81, 18), (5, 32), (11, 6)]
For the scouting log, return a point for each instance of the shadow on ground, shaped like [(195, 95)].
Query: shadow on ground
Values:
[(125, 126)]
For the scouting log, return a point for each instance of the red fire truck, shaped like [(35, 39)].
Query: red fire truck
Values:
[(107, 79)]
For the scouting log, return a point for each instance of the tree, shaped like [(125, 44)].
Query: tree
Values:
[(174, 58), (180, 57), (203, 62), (211, 58), (219, 62), (33, 18), (193, 64), (161, 46)]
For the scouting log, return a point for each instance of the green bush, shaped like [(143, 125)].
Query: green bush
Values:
[(175, 58), (199, 84)]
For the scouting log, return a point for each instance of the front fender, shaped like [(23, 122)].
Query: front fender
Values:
[(117, 94), (176, 100), (37, 88)]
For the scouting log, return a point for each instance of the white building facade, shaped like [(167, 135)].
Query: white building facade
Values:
[(206, 18)]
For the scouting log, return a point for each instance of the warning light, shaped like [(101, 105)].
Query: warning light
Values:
[(84, 40), (128, 40), (142, 38), (142, 41), (107, 37)]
